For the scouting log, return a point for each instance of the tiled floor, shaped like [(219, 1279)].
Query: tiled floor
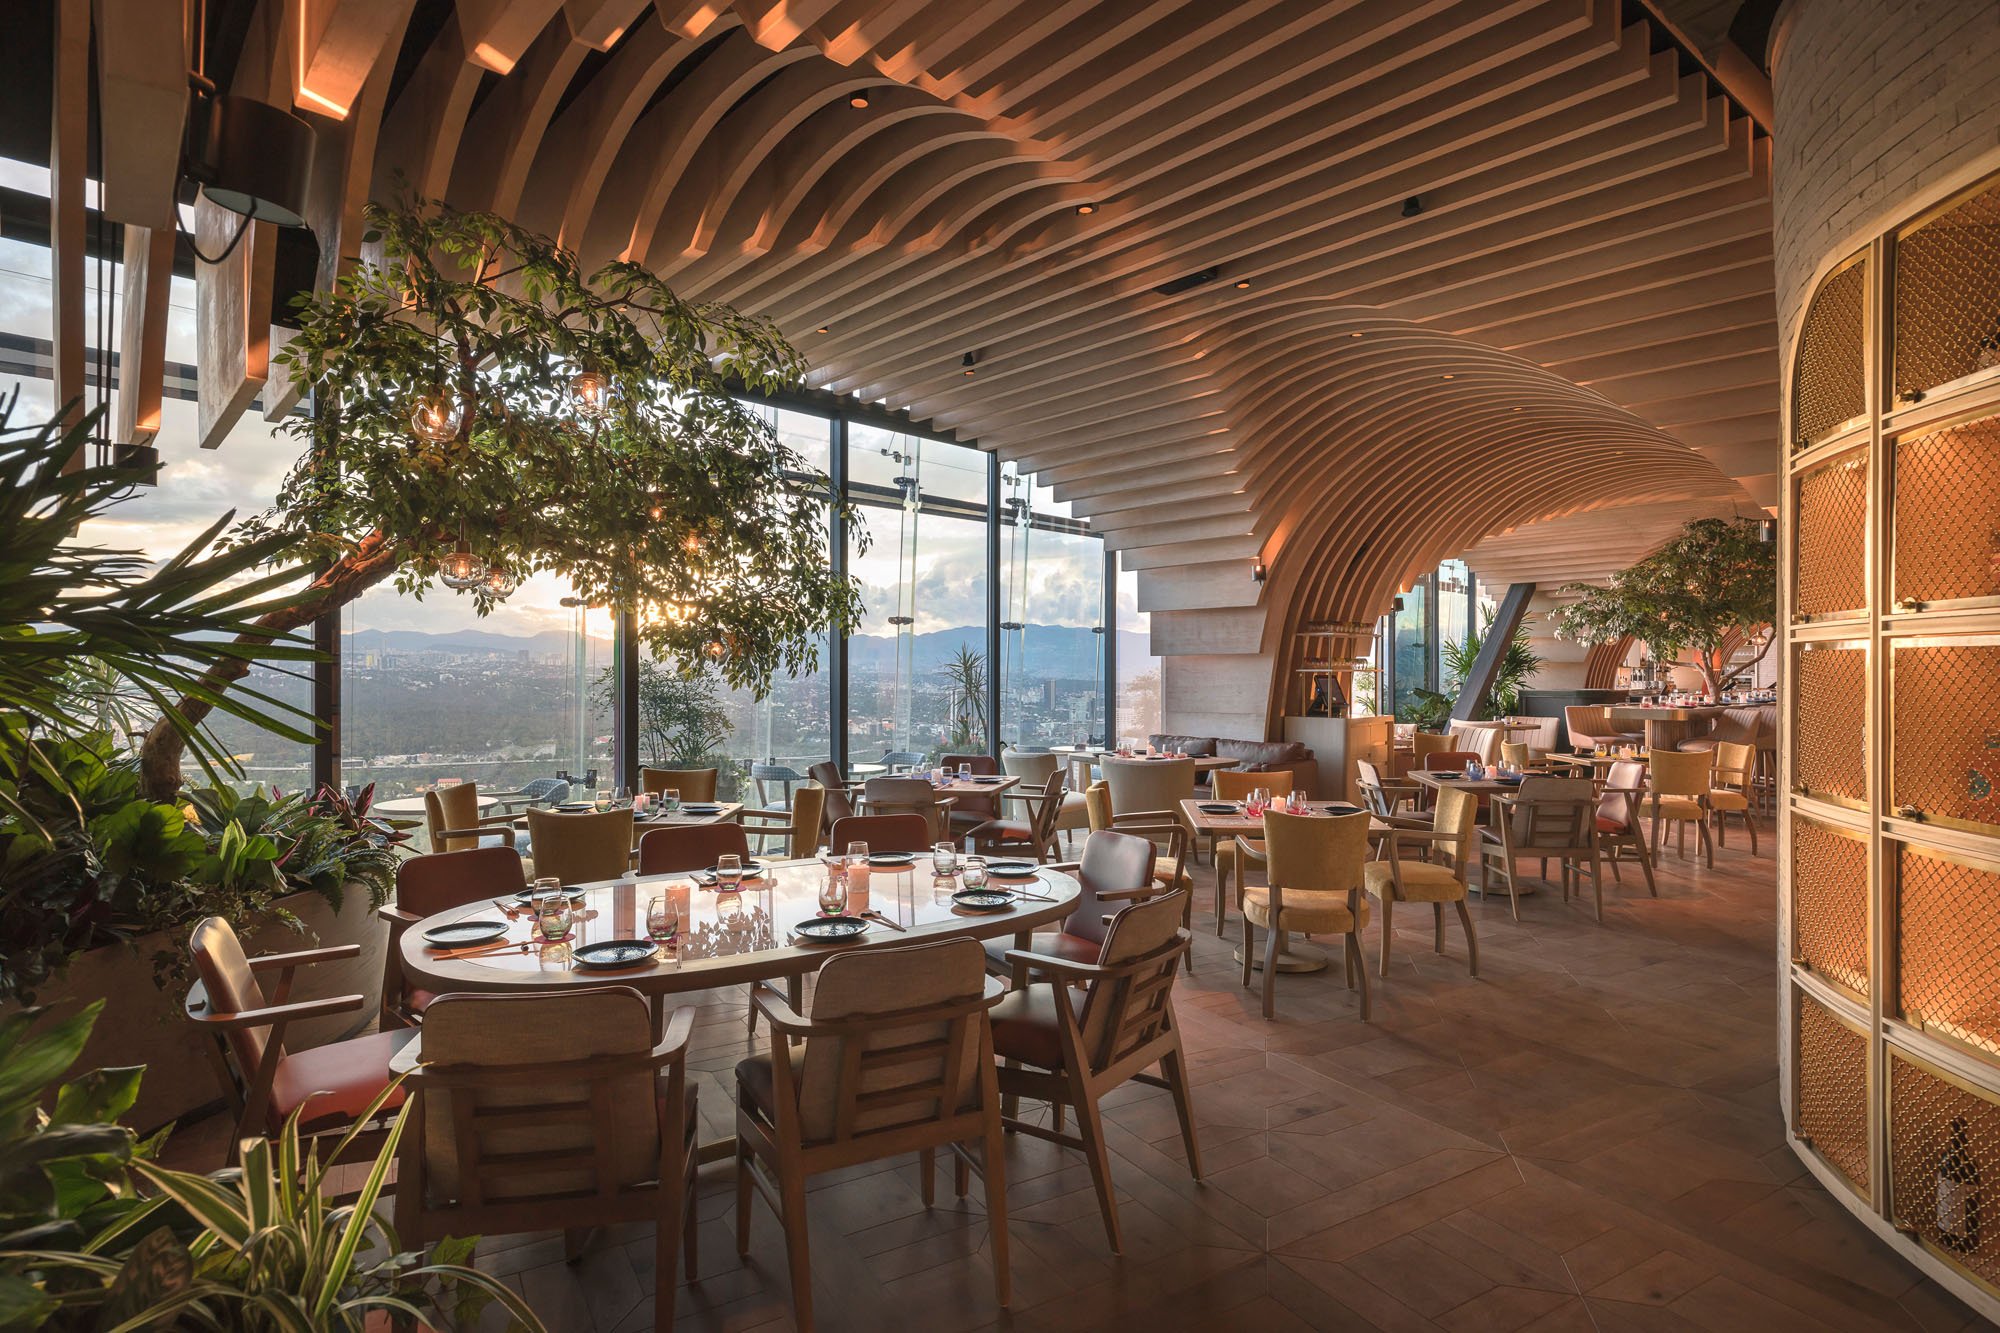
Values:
[(1585, 1137)]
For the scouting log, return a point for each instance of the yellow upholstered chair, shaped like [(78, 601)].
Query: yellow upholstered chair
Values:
[(1679, 780), (1516, 754), (1619, 837), (451, 818), (583, 847), (1316, 865), (694, 784), (1035, 770), (1731, 789), (1437, 882), (1236, 858), (799, 824), (1426, 743)]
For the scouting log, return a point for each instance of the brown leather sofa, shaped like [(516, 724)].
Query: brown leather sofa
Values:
[(1591, 724), (1251, 756), (1753, 724)]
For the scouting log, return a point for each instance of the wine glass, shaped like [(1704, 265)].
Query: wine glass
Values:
[(857, 853), (663, 917), (670, 801), (944, 860), (728, 872)]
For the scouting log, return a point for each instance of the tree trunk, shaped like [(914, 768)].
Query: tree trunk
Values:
[(372, 560)]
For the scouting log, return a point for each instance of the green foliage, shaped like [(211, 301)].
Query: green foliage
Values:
[(91, 635), (91, 861), (673, 503), (681, 719), (259, 1249), (1714, 576), (965, 687), (1518, 666), (1427, 708)]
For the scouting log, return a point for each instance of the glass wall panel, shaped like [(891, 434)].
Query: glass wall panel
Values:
[(1052, 622), (1413, 650), (1138, 710), (1454, 604)]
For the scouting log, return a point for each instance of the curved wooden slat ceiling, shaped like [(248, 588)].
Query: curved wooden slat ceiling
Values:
[(1578, 318)]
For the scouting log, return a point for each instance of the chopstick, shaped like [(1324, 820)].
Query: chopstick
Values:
[(872, 915), (501, 947)]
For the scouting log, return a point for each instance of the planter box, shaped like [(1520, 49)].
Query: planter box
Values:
[(143, 1025)]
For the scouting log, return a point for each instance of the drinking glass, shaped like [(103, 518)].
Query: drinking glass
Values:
[(603, 799), (857, 852), (728, 872), (641, 803), (621, 796), (944, 860), (833, 893), (670, 801), (965, 770), (663, 917), (552, 916), (972, 873)]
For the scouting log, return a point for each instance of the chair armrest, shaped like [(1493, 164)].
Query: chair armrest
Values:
[(274, 1013), (1062, 967), (510, 819), (680, 1026), (506, 833), (784, 815), (396, 916), (1067, 867), (1129, 895), (783, 1018), (304, 957), (1145, 814)]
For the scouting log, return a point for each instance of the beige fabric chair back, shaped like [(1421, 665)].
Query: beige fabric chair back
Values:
[(1621, 777), (1368, 779), (883, 833), (1112, 863), (1734, 764), (694, 784), (1316, 852), (232, 988), (1483, 741), (909, 1062), (1139, 785), (903, 796), (1233, 785), (578, 848), (827, 774), (580, 1060), (1554, 812), (1457, 818), (1542, 738), (453, 807), (1424, 743), (1679, 772), (808, 815), (1515, 754), (1097, 803), (1034, 770), (1122, 1014)]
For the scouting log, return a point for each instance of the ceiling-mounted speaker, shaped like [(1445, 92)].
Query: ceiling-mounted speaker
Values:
[(250, 157)]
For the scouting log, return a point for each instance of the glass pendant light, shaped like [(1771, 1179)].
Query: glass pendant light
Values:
[(592, 392), (436, 418), (462, 569), (501, 582)]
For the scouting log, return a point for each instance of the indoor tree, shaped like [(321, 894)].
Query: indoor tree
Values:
[(965, 693), (1714, 584), (484, 410), (1518, 665), (681, 719)]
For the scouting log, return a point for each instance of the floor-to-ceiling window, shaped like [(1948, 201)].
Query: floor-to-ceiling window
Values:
[(1138, 708), (1412, 638), (1052, 620)]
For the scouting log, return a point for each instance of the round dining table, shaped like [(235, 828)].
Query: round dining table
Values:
[(726, 939)]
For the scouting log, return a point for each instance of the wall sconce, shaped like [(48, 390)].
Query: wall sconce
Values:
[(1396, 605), (1767, 530), (1258, 571)]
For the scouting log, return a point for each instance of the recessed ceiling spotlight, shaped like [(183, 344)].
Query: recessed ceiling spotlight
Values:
[(1085, 210), (1242, 284), (1451, 377), (824, 328), (1356, 334), (968, 361), (1413, 206), (859, 101)]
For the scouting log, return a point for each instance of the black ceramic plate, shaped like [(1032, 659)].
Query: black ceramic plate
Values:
[(987, 777), (577, 805), (1216, 808), (615, 953), (1342, 808), (459, 934), (983, 900), (526, 897), (700, 808), (892, 860), (1012, 869), (1508, 782), (751, 870), (824, 928)]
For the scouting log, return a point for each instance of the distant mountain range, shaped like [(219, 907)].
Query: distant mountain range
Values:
[(1064, 652)]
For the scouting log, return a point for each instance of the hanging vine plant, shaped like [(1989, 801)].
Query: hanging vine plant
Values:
[(484, 410)]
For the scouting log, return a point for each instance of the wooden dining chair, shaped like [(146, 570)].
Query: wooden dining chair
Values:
[(262, 1081), (909, 796), (1545, 819), (1679, 789), (896, 1058), (694, 784), (971, 809), (1237, 856), (1450, 761), (1619, 835), (1423, 744), (799, 823), (1164, 829), (839, 804), (425, 886), (1390, 802), (1731, 789), (580, 847), (1516, 754), (883, 833), (1153, 788), (454, 824), (1116, 871), (670, 850), (1072, 1054), (1395, 878), (550, 1112), (1035, 770), (1033, 830), (1315, 868)]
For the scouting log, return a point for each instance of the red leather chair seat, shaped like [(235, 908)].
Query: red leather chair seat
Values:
[(340, 1078), (1606, 824), (1026, 1027), (418, 999), (1073, 948)]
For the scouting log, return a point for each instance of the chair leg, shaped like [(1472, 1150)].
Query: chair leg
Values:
[(1597, 882), (993, 1168), (1471, 940), (1707, 845), (1437, 927), (1174, 1067), (1221, 893), (792, 1191), (743, 1169), (1360, 970), (1646, 869), (961, 1174), (1514, 888), (1090, 1127), (1388, 928), (1273, 942), (666, 1252), (1750, 822), (927, 1175), (1249, 946)]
